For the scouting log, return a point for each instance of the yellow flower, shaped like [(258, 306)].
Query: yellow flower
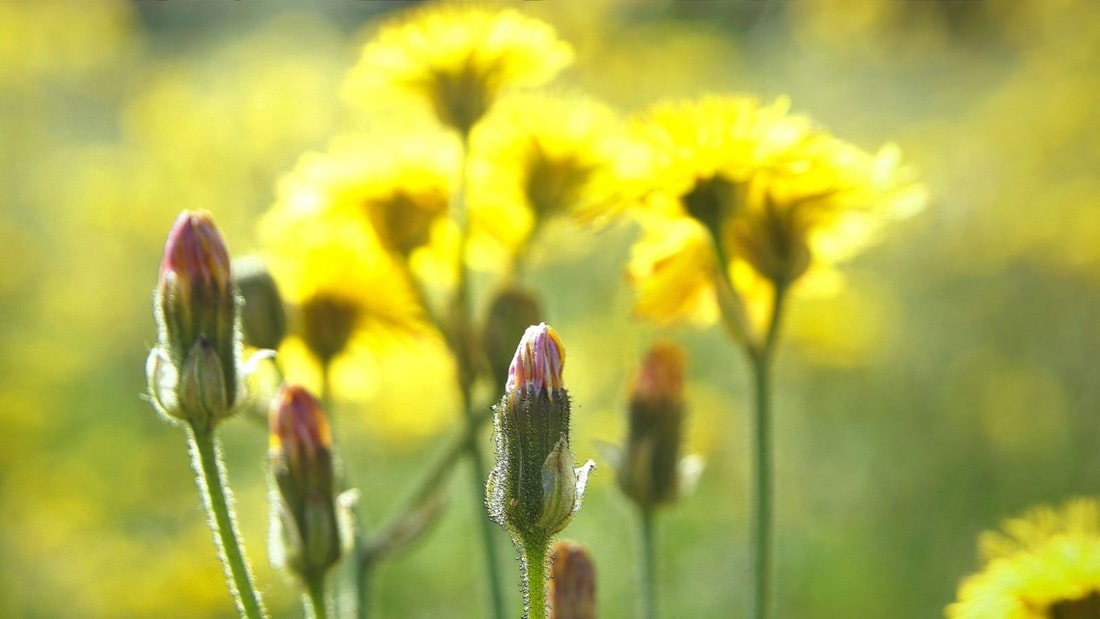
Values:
[(344, 282), (1044, 565), (537, 156), (402, 186), (770, 190), (459, 60)]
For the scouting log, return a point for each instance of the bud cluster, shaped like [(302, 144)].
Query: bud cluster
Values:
[(194, 370), (534, 491)]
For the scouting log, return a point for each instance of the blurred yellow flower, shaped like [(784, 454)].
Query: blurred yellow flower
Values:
[(1046, 564), (459, 60), (343, 281), (536, 156), (770, 190), (401, 185)]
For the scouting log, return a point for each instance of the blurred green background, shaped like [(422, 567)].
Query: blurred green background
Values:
[(951, 382)]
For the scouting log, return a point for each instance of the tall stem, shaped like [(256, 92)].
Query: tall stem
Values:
[(649, 563), (762, 358), (461, 341), (214, 491), (534, 580)]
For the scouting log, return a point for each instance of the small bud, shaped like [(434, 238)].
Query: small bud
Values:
[(263, 315), (649, 469), (327, 325), (534, 491), (301, 466), (194, 370), (510, 311), (572, 582)]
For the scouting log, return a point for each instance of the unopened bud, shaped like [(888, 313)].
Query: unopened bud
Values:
[(300, 459), (572, 582), (534, 491), (649, 469), (194, 369), (327, 325), (510, 312), (263, 315)]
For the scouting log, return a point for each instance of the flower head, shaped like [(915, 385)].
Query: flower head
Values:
[(534, 491), (572, 582), (1045, 564), (458, 60), (194, 370), (301, 467), (765, 189), (539, 156)]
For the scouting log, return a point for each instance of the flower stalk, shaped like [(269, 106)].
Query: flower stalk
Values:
[(216, 500)]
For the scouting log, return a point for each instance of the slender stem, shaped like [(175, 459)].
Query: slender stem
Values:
[(215, 497), (534, 580), (315, 598), (649, 563), (461, 341), (762, 358)]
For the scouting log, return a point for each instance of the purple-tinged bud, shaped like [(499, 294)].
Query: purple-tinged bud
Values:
[(538, 362), (197, 311), (534, 491), (572, 582), (649, 470), (300, 458)]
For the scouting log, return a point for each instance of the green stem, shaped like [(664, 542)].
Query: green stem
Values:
[(461, 341), (762, 358), (649, 563), (534, 580), (315, 598), (215, 498)]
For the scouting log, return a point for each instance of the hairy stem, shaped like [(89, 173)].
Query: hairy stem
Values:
[(534, 580), (216, 500)]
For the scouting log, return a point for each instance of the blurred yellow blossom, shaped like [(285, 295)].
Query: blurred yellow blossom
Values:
[(537, 156), (1045, 564), (457, 59), (769, 189)]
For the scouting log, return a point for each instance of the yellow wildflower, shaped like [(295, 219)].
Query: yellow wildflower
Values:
[(402, 186), (459, 60), (331, 266), (772, 192), (537, 156), (1046, 564)]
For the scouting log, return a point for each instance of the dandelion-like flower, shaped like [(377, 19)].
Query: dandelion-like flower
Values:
[(538, 156), (1044, 565), (763, 189), (458, 60)]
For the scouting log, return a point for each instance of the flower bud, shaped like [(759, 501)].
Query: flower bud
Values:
[(510, 312), (327, 325), (649, 468), (300, 460), (572, 582), (194, 369), (263, 317), (534, 491)]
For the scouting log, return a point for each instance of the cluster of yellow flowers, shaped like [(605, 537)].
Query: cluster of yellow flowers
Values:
[(722, 187)]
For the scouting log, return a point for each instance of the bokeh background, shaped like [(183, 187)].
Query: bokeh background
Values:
[(950, 383)]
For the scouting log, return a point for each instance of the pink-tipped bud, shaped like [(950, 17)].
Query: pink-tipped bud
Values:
[(301, 467), (538, 362), (196, 308)]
